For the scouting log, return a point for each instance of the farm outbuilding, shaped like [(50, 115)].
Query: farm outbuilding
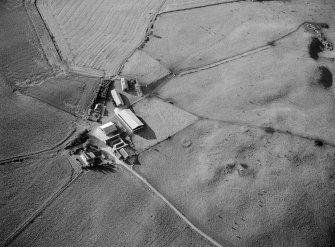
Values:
[(124, 153), (108, 128), (117, 98), (87, 159), (129, 119), (124, 84)]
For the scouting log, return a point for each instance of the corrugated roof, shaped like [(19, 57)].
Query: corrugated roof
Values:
[(130, 118), (108, 127), (117, 97)]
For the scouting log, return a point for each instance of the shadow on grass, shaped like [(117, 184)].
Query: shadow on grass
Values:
[(146, 132), (103, 168)]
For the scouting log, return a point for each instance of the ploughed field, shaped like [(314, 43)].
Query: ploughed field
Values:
[(97, 34)]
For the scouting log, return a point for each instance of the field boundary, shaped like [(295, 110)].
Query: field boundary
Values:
[(146, 35), (223, 61), (44, 36), (26, 156), (199, 6)]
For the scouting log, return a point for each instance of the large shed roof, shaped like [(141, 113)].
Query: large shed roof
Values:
[(129, 118)]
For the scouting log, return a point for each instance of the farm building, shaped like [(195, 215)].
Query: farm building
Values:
[(87, 159), (129, 119), (108, 128), (117, 98), (124, 153), (124, 84)]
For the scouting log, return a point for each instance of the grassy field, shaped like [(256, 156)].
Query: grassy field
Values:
[(205, 35), (98, 34), (28, 126), (161, 121), (281, 87), (26, 185), (246, 186), (144, 68), (22, 57), (66, 92), (108, 208)]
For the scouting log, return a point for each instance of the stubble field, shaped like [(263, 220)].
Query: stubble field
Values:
[(98, 34)]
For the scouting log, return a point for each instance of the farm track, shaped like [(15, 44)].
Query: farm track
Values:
[(27, 156), (40, 210), (166, 201), (238, 56), (215, 3), (222, 61)]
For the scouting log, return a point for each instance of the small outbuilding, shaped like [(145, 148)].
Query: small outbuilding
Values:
[(117, 98), (124, 84), (124, 153), (87, 159), (108, 128)]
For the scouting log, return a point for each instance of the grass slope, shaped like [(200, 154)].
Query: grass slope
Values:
[(111, 209), (161, 121), (26, 185), (144, 68), (282, 87), (27, 125), (67, 92), (205, 35), (246, 186), (22, 57)]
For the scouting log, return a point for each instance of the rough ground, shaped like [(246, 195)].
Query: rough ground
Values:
[(144, 68), (246, 186), (204, 35), (282, 87), (70, 93)]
